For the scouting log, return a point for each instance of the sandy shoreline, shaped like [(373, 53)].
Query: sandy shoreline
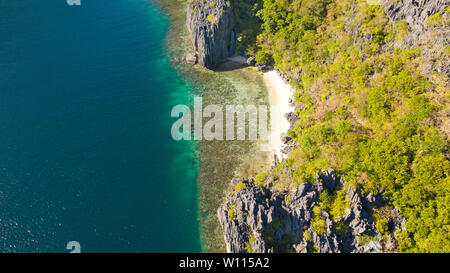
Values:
[(280, 93)]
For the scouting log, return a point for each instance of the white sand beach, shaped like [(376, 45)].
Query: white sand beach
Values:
[(279, 94)]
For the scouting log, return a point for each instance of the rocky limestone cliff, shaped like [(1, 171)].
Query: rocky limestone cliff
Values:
[(255, 219), (212, 30)]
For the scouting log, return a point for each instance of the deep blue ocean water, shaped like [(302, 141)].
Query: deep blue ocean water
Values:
[(85, 148)]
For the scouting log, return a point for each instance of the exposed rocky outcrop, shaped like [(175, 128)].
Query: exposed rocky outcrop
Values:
[(212, 31), (430, 38), (259, 220), (288, 143), (415, 13), (291, 118)]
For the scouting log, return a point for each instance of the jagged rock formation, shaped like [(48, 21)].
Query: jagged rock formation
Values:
[(415, 13), (289, 143), (259, 220), (212, 31), (430, 38)]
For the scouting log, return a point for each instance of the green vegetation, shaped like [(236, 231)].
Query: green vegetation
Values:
[(435, 20), (263, 56), (252, 238), (315, 249), (382, 225), (401, 30), (318, 222), (319, 226), (307, 236), (340, 228), (365, 239), (232, 213), (260, 179), (446, 50), (248, 247), (369, 110), (211, 18), (382, 218), (334, 204), (240, 186), (248, 24)]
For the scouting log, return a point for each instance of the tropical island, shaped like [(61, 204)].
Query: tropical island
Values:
[(367, 151)]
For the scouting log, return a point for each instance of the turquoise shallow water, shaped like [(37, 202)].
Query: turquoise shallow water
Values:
[(85, 147)]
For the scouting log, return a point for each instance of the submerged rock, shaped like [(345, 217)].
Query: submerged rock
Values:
[(212, 30)]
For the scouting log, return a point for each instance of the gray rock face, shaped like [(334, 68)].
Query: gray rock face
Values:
[(212, 31), (285, 139), (258, 220), (415, 13), (430, 38)]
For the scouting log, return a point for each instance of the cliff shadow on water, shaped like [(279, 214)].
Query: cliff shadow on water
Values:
[(219, 161)]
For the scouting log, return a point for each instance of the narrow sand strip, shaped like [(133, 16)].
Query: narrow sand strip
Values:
[(279, 94)]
